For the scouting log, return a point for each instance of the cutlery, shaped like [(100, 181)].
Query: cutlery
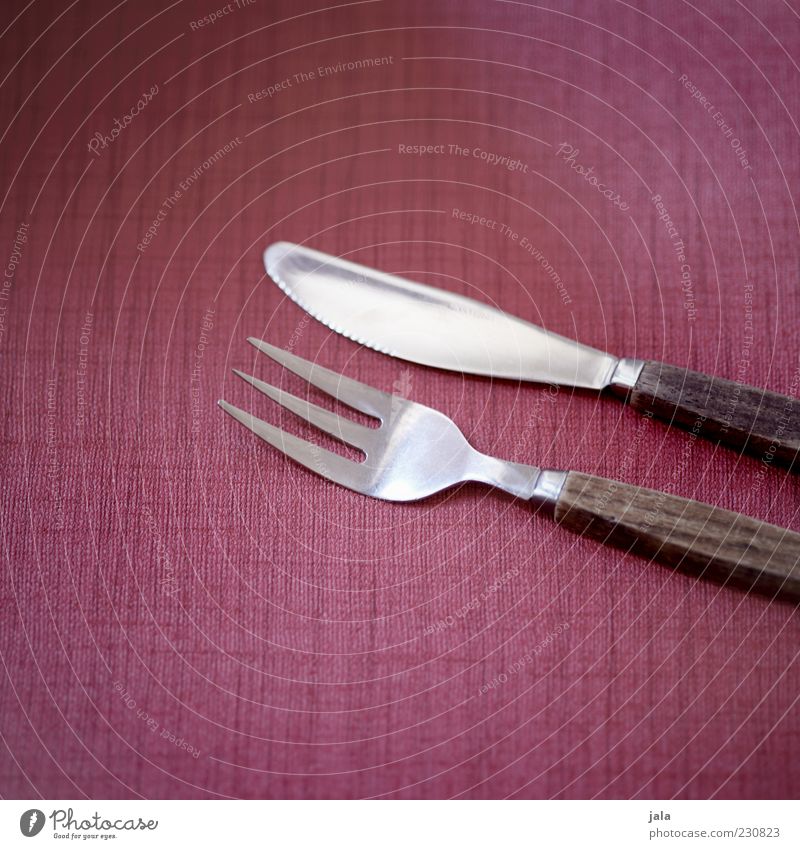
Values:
[(437, 328), (417, 451)]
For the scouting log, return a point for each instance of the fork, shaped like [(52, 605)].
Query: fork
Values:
[(418, 451)]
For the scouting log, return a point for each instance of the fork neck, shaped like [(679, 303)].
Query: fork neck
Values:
[(529, 482)]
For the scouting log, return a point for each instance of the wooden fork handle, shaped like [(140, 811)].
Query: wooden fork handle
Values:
[(761, 423), (696, 538)]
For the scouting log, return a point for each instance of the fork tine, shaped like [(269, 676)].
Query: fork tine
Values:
[(343, 429), (361, 397), (324, 463)]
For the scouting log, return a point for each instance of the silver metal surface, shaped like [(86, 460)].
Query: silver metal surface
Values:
[(626, 374), (431, 326), (416, 451)]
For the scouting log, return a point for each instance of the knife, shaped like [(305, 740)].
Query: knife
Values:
[(434, 327)]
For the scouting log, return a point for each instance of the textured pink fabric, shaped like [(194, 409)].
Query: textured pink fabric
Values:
[(185, 612)]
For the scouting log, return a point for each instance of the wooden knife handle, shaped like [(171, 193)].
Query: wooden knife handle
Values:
[(696, 538), (761, 423)]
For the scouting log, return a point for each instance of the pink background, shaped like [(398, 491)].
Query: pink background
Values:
[(186, 613)]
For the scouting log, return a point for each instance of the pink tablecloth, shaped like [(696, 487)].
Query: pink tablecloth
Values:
[(186, 613)]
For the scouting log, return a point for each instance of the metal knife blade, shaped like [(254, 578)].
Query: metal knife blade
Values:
[(431, 326)]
